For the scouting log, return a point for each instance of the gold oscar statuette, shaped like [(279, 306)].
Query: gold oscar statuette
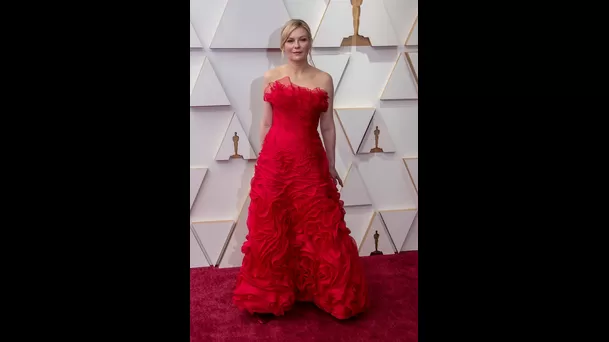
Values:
[(376, 244), (376, 147), (356, 39), (236, 146)]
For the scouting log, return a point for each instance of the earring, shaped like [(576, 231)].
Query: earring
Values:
[(281, 53)]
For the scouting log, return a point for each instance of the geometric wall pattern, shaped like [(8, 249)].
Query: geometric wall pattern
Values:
[(354, 193), (235, 28), (206, 89), (413, 63), (375, 73), (413, 36), (194, 38), (355, 122), (368, 244), (403, 82), (235, 143), (197, 174), (376, 139), (412, 165)]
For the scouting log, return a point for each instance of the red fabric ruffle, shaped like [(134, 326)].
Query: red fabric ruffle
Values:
[(298, 247)]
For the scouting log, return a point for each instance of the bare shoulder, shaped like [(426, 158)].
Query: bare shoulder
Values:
[(274, 74), (270, 75), (324, 80)]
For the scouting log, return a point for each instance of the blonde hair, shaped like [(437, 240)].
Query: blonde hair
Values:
[(292, 25)]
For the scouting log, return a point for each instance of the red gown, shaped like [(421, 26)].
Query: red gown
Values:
[(298, 247)]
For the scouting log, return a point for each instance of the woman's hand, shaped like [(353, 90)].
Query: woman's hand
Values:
[(335, 176)]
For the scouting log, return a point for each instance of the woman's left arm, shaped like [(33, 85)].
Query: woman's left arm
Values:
[(326, 122)]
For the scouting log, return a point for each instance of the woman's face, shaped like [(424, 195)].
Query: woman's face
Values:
[(297, 46)]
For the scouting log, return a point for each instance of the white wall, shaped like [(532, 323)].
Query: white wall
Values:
[(233, 42)]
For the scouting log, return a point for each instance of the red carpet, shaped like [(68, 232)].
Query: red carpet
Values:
[(393, 282)]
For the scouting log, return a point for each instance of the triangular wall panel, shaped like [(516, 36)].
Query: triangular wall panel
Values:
[(355, 122), (196, 64), (402, 14), (208, 90), (413, 61), (369, 143), (413, 37), (195, 42), (358, 219), (412, 166), (355, 192), (334, 65), (247, 24), (384, 243), (398, 223), (213, 235), (233, 257), (227, 147), (402, 84), (197, 257), (196, 179), (310, 11), (412, 239), (205, 16)]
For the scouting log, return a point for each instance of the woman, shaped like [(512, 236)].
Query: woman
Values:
[(298, 247)]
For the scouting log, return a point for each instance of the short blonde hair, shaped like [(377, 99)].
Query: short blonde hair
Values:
[(292, 25)]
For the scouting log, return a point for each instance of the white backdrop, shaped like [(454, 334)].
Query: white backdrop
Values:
[(232, 44)]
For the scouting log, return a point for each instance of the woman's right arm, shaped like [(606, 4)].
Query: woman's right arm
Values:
[(267, 111)]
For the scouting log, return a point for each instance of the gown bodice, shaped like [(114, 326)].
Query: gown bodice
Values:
[(296, 109)]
